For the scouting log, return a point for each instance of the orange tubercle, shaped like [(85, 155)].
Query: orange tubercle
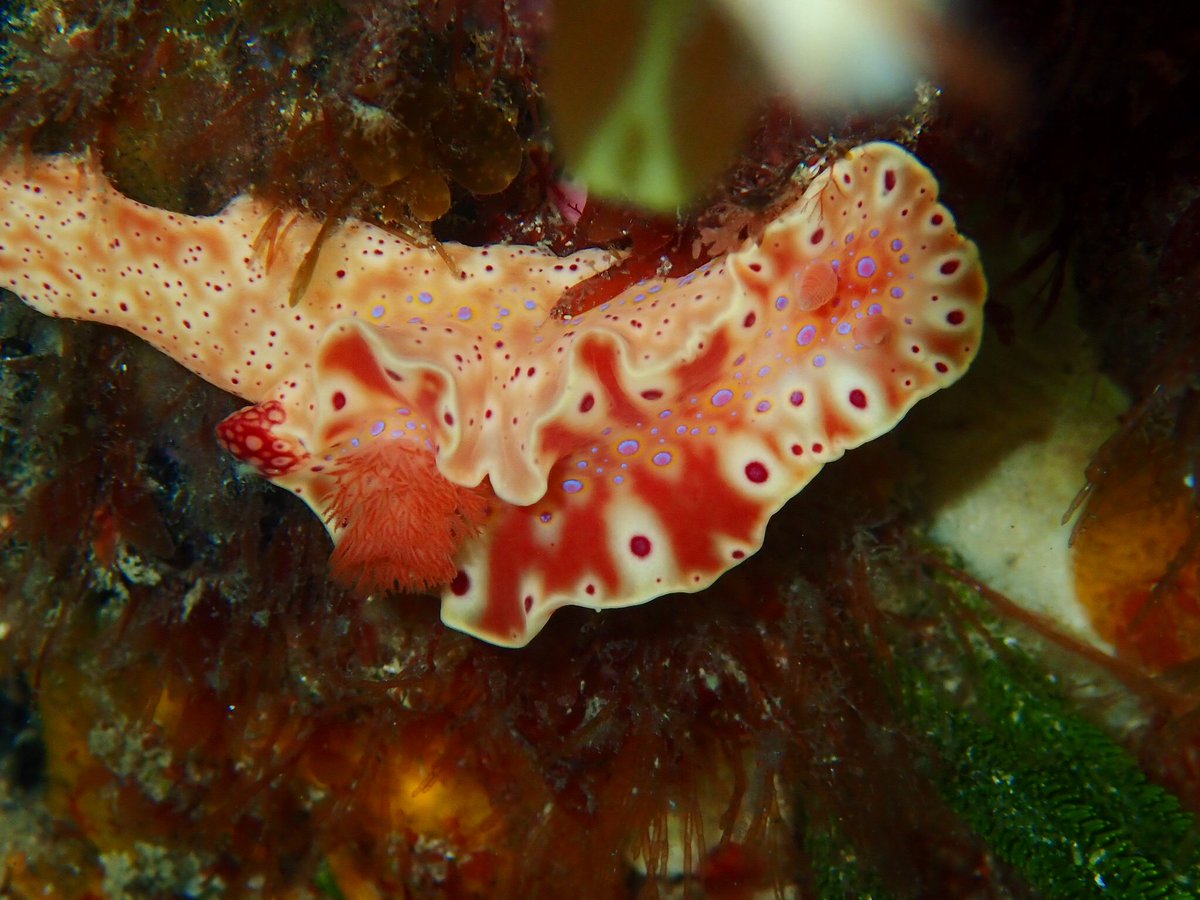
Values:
[(1134, 556), (399, 522)]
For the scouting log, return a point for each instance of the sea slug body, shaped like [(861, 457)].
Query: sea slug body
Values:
[(444, 423)]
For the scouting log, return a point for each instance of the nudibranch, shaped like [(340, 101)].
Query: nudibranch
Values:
[(452, 433)]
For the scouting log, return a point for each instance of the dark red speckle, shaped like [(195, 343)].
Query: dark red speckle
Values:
[(818, 236), (341, 273), (448, 419), (797, 449), (796, 398), (949, 267), (858, 399), (941, 367), (955, 317), (652, 395), (889, 180), (739, 554), (587, 403), (749, 320), (461, 584), (639, 546), (528, 597), (339, 400), (756, 472), (936, 219)]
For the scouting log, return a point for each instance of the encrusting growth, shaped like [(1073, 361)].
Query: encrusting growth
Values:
[(429, 412), (816, 285)]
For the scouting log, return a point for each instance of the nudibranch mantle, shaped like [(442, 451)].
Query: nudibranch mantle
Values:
[(635, 450)]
